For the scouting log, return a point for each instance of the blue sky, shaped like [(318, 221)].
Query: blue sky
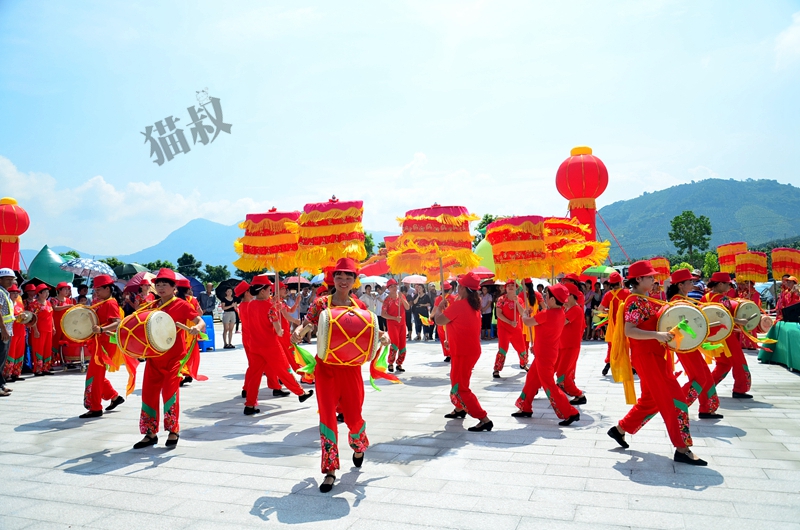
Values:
[(400, 104)]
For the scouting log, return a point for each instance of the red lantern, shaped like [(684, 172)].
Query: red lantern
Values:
[(581, 179), (14, 221)]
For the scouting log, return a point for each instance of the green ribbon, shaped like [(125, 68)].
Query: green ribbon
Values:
[(683, 325)]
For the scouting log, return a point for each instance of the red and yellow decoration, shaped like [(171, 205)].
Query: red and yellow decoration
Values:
[(727, 255), (661, 265), (785, 261), (751, 266), (581, 179), (269, 242), (14, 221), (330, 231), (567, 247), (517, 246)]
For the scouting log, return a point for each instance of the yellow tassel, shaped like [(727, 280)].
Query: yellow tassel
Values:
[(444, 218), (268, 241), (461, 236), (330, 230), (316, 216), (253, 262), (9, 239), (269, 224), (575, 204), (531, 245), (526, 227)]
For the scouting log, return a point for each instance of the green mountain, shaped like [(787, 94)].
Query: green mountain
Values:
[(755, 211)]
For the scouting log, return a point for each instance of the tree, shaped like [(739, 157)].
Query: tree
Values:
[(681, 265), (369, 244), (189, 266), (248, 276), (70, 254), (381, 245), (158, 264), (710, 264), (690, 233), (113, 262), (216, 273), (481, 228)]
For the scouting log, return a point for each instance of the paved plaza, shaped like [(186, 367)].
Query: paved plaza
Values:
[(422, 471)]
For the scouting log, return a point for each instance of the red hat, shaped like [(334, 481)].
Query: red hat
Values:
[(30, 287), (615, 278), (183, 282), (346, 265), (560, 292), (282, 285), (511, 282), (447, 286), (391, 282), (791, 279), (572, 276), (166, 274), (322, 290), (262, 279), (144, 281), (13, 289), (101, 281), (470, 280), (61, 285), (42, 287), (528, 281), (241, 288), (573, 289), (720, 277), (680, 275), (641, 268)]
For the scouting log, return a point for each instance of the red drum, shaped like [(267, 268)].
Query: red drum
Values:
[(146, 334), (347, 336)]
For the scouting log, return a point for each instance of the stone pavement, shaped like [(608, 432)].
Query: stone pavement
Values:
[(234, 471)]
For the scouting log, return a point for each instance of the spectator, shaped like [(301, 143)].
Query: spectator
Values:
[(410, 296), (7, 278), (487, 308), (369, 298), (83, 290), (207, 300), (421, 307), (381, 296)]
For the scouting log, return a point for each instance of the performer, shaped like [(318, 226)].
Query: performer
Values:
[(463, 321), (545, 356), (60, 303), (267, 354), (42, 340), (535, 304), (440, 330), (569, 347), (508, 310), (394, 311), (286, 338), (105, 304), (190, 370), (661, 393), (610, 304), (339, 386), (701, 384), (12, 370), (746, 291), (161, 374), (790, 294), (144, 296), (719, 286)]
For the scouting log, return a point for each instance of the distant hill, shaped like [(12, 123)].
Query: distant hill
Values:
[(755, 211)]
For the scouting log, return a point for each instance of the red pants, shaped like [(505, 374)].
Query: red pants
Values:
[(440, 331), (16, 353), (661, 394), (192, 366), (97, 388), (272, 383), (539, 376), (397, 334), (42, 351), (460, 394), (513, 337), (273, 363), (339, 388), (608, 354), (737, 362), (161, 379), (565, 370), (701, 384)]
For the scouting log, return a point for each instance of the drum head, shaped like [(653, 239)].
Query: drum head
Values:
[(322, 333), (749, 311), (674, 314), (766, 323), (161, 331), (77, 323), (720, 322), (25, 317)]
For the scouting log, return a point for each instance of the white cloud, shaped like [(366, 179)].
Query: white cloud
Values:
[(703, 172), (787, 44)]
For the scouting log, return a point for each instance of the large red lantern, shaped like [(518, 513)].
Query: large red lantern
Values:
[(581, 179), (14, 221)]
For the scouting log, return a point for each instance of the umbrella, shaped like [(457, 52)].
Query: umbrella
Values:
[(373, 280), (197, 286), (133, 284), (88, 268), (296, 279), (318, 279), (483, 272), (128, 270), (414, 279), (223, 286), (598, 270)]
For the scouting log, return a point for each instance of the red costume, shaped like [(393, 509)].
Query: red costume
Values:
[(58, 335), (192, 366), (397, 330), (440, 330), (508, 335), (42, 346), (569, 349), (464, 336), (752, 295), (612, 300), (736, 360), (101, 351), (16, 350)]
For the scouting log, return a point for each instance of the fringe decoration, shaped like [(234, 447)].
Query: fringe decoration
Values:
[(307, 232), (582, 203), (444, 218), (269, 225), (334, 213)]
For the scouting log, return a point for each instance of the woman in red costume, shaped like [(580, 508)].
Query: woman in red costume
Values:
[(610, 305), (286, 338), (338, 386), (789, 295), (394, 311), (440, 330), (42, 329), (509, 309), (144, 296), (190, 369), (162, 374), (701, 384), (12, 370), (549, 326), (569, 346), (463, 321), (746, 290), (105, 304), (719, 285), (60, 303), (661, 393)]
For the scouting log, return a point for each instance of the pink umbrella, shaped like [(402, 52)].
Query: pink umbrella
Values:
[(296, 279), (483, 272), (414, 279), (136, 281)]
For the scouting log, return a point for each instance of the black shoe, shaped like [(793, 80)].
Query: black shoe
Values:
[(684, 458), (400, 369), (569, 421), (358, 460), (280, 393), (249, 411), (447, 359), (482, 427), (47, 372), (172, 443), (710, 416), (187, 379), (578, 401), (38, 374), (244, 393), (391, 368), (741, 395), (116, 402), (521, 414), (496, 375), (618, 436), (324, 487), (305, 396), (91, 414), (606, 368), (340, 418), (146, 443), (456, 414)]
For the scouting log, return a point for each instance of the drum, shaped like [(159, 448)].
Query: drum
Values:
[(766, 323), (26, 317), (146, 334), (347, 336), (720, 321), (673, 314), (77, 323), (747, 310)]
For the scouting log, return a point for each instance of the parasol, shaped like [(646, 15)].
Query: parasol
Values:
[(751, 266), (785, 261), (88, 268), (329, 231), (373, 280), (230, 283), (269, 241), (599, 271), (133, 284), (661, 266), (414, 279), (46, 267), (518, 247), (483, 272), (318, 279), (128, 270), (727, 255), (296, 279)]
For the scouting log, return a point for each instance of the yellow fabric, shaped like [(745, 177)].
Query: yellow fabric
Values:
[(444, 218), (330, 230), (587, 203), (267, 224), (315, 216), (526, 227), (621, 369), (268, 241)]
